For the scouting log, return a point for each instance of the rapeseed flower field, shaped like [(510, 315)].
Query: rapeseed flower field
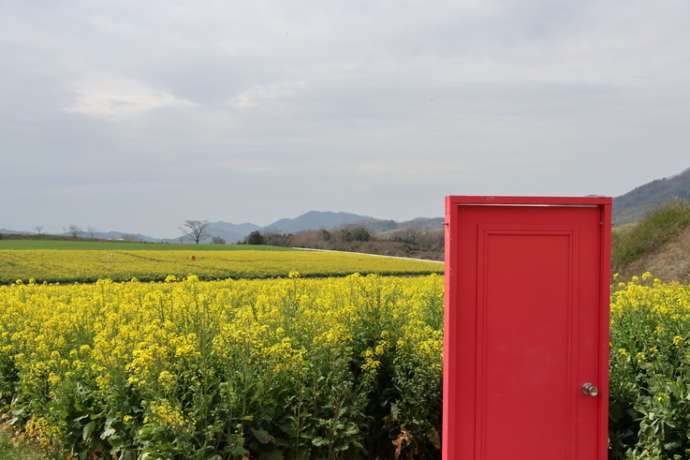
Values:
[(650, 370), (293, 368), (284, 368), (65, 265)]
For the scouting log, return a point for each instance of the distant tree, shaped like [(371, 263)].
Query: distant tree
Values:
[(74, 231), (406, 235), (255, 237), (39, 229), (195, 229), (91, 232), (218, 240), (354, 234), (325, 234), (278, 239)]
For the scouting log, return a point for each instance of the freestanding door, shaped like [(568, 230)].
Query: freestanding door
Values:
[(526, 328)]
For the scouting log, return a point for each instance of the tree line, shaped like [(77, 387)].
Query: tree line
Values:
[(406, 242)]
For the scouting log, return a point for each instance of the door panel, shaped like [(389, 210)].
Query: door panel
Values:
[(524, 369), (524, 300)]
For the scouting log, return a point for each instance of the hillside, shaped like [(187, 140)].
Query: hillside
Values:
[(639, 202), (670, 262), (231, 233), (314, 220), (659, 244)]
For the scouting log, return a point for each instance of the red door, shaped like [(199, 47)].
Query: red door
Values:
[(526, 352)]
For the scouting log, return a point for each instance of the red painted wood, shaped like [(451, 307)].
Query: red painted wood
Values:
[(526, 324)]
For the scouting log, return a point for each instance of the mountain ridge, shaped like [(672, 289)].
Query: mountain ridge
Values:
[(629, 207), (640, 201)]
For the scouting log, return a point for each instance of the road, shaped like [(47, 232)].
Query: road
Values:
[(367, 254)]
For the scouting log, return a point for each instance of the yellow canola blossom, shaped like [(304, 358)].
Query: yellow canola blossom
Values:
[(650, 368), (59, 265), (303, 367), (197, 363)]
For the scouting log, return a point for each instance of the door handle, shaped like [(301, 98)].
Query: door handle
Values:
[(589, 389)]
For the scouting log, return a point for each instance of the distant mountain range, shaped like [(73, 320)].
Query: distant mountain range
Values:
[(637, 203), (629, 207), (314, 220)]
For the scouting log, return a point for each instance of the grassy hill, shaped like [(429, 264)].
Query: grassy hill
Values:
[(639, 202), (660, 244)]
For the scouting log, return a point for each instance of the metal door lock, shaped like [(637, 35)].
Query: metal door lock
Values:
[(590, 389)]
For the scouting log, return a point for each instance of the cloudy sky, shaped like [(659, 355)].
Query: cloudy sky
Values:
[(134, 116)]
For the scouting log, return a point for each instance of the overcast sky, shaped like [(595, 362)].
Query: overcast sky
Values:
[(134, 116)]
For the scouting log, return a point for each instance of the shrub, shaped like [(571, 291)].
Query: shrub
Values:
[(255, 237), (661, 226)]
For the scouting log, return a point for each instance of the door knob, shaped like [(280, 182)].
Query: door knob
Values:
[(590, 389)]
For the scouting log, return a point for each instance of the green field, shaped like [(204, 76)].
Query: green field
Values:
[(130, 246)]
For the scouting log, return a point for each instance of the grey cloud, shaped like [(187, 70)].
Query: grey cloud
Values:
[(138, 115)]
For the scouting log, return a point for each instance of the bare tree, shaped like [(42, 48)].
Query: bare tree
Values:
[(218, 240), (39, 229), (195, 229), (74, 231)]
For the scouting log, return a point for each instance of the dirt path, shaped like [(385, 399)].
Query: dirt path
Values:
[(367, 254)]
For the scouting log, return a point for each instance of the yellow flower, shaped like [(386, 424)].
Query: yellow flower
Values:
[(168, 415), (166, 379)]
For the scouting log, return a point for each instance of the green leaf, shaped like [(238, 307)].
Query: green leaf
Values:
[(88, 430), (262, 436), (318, 442)]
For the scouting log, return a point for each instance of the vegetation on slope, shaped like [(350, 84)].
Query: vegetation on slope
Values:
[(639, 202), (632, 243)]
